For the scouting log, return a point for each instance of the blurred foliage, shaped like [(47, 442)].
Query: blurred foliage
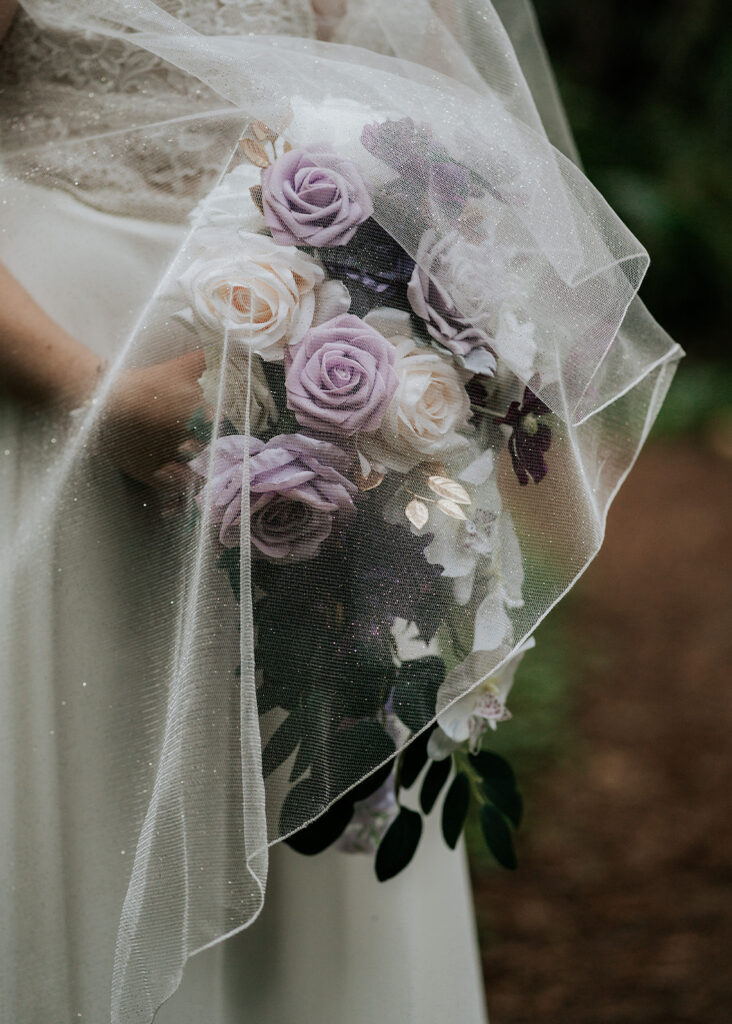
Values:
[(647, 87), (540, 732)]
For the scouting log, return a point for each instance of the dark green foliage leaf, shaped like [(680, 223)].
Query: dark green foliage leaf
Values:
[(275, 693), (497, 836), (199, 426), (357, 749), (324, 831), (282, 742), (304, 756), (229, 562), (416, 689), (455, 809), (275, 375), (414, 758), (315, 732), (499, 784), (305, 801), (372, 782), (399, 844), (434, 780)]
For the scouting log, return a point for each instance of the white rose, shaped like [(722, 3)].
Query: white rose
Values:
[(424, 418), (230, 203), (265, 295), (262, 406)]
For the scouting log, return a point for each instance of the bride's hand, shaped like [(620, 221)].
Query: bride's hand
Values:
[(145, 425)]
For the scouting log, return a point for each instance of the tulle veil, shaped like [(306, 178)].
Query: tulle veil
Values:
[(140, 108)]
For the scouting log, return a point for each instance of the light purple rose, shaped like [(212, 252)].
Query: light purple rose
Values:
[(283, 528), (341, 376), (314, 197), (296, 483), (431, 302)]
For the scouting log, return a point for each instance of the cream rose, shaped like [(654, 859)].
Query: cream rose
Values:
[(424, 418), (265, 295), (262, 406)]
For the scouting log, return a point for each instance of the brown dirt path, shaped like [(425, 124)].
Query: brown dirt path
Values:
[(621, 910)]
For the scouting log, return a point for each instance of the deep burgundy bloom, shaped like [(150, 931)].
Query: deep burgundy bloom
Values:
[(530, 438), (375, 261)]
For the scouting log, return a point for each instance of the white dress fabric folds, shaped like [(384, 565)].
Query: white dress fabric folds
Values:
[(331, 945), (427, 373)]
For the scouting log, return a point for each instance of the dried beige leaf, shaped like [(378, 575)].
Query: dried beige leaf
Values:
[(261, 131), (450, 489), (256, 193), (254, 152), (433, 468), (367, 483), (451, 508), (417, 513)]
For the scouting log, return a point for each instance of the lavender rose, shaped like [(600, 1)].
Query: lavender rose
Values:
[(444, 323), (314, 197), (341, 377), (283, 528), (295, 484)]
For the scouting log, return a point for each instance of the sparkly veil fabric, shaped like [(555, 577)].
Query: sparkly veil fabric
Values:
[(153, 111)]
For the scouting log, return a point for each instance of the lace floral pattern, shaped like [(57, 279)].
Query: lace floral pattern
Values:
[(57, 89)]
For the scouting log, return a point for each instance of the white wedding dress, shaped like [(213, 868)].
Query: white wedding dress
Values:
[(332, 945)]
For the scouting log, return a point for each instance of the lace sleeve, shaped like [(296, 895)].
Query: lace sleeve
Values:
[(58, 88)]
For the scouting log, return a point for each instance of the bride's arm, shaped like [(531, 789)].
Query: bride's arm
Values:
[(7, 10), (149, 408), (39, 362)]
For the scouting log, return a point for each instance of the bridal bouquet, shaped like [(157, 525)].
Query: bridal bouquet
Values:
[(368, 418)]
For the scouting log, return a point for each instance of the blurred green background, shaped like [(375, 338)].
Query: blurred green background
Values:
[(647, 88), (621, 908)]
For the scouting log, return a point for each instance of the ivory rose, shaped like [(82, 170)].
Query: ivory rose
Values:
[(265, 295), (429, 408)]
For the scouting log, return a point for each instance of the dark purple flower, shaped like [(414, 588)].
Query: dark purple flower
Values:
[(430, 176), (530, 438), (341, 376), (374, 260), (314, 197), (295, 484), (401, 144), (443, 321), (388, 577)]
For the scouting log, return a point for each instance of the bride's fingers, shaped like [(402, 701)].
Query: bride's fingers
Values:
[(172, 477)]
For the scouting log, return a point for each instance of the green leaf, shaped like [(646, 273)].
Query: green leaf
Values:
[(357, 750), (372, 782), (304, 756), (499, 784), (199, 426), (434, 780), (497, 836), (282, 742), (229, 562), (324, 831), (413, 759), (416, 689), (399, 844), (455, 809)]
